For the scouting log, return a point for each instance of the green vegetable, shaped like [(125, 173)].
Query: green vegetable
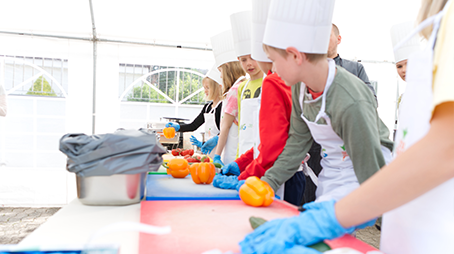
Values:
[(217, 165), (257, 221), (320, 246)]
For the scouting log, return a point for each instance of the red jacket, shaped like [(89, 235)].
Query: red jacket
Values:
[(275, 111)]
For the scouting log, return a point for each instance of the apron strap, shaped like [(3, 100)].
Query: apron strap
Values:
[(214, 107), (329, 81), (244, 88)]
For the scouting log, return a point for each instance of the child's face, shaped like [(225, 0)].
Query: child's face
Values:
[(249, 65), (206, 87), (220, 70), (285, 67), (402, 69)]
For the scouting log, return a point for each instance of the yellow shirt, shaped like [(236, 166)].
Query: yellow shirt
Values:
[(443, 72), (252, 90)]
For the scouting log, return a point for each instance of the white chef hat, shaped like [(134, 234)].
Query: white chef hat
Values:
[(241, 31), (223, 49), (303, 24), (398, 33), (259, 14), (214, 74)]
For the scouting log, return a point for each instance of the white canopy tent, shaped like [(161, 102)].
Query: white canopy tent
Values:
[(104, 46)]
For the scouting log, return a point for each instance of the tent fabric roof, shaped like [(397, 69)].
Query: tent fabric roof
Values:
[(364, 25)]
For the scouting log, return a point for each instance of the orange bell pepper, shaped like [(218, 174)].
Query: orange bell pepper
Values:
[(202, 173), (178, 168), (255, 192), (169, 132)]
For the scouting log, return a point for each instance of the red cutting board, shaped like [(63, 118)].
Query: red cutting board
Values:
[(200, 225)]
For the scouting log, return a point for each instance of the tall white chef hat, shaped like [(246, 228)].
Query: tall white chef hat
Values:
[(214, 74), (241, 31), (398, 33), (259, 14), (303, 24), (223, 48)]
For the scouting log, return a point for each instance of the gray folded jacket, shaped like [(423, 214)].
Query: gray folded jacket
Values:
[(121, 152)]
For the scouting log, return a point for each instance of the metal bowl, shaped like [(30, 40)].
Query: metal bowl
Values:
[(111, 190)]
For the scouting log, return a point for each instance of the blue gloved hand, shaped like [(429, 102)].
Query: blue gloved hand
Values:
[(231, 168), (217, 159), (317, 223), (176, 126), (225, 182), (209, 145), (195, 142), (240, 183)]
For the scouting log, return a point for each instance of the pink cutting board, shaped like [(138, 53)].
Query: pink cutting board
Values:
[(198, 226), (201, 225)]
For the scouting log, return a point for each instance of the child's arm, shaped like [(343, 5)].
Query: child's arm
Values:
[(297, 145), (275, 112), (230, 113), (409, 176), (196, 123), (226, 123), (244, 160)]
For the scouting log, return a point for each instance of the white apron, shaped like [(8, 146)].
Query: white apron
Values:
[(247, 124), (211, 129), (230, 149), (337, 178), (426, 224)]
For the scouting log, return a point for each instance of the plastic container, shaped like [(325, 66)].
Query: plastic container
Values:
[(111, 190)]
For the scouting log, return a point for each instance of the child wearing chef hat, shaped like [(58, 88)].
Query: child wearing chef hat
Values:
[(330, 105), (272, 121)]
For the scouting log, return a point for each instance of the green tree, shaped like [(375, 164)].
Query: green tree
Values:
[(145, 93), (41, 87)]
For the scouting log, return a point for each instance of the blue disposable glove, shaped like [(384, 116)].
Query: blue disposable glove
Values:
[(231, 168), (225, 182), (176, 126), (240, 183), (317, 223), (217, 159), (195, 141), (209, 145)]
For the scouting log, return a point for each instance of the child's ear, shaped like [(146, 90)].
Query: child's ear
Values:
[(295, 55)]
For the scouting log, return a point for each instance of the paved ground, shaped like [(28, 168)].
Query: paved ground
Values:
[(370, 235), (17, 222)]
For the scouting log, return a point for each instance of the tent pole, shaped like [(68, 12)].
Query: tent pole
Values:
[(94, 66), (106, 40)]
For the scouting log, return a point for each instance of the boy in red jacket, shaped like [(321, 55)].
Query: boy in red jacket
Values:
[(274, 123)]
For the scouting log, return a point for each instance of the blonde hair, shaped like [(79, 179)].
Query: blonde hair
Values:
[(231, 71), (312, 58), (214, 88), (429, 8)]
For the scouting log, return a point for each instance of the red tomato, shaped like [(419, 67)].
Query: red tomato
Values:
[(175, 152)]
